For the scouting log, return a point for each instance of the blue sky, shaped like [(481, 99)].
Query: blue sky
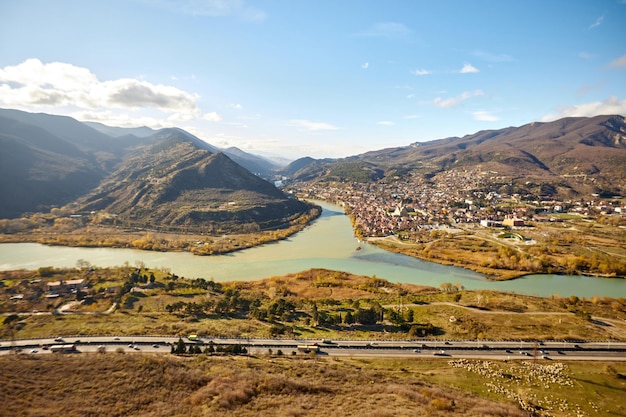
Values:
[(314, 78)]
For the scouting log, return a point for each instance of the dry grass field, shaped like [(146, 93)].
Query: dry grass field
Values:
[(313, 295), (143, 384), (118, 385), (575, 246)]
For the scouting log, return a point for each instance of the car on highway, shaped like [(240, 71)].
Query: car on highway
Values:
[(33, 351)]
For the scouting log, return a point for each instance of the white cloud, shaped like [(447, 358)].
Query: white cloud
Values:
[(455, 101), (181, 117), (236, 106), (212, 117), (597, 23), (35, 84), (365, 65), (484, 116), (468, 69), (420, 72), (132, 93), (619, 62), (385, 123), (611, 105), (312, 126), (387, 30), (120, 119), (585, 55)]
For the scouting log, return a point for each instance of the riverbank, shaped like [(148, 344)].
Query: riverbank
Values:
[(600, 251), (392, 244), (75, 233)]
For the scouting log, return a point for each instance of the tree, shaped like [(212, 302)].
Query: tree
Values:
[(366, 316), (82, 264), (180, 346), (348, 318)]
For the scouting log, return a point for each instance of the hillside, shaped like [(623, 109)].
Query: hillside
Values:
[(39, 169), (49, 161), (580, 155), (179, 182)]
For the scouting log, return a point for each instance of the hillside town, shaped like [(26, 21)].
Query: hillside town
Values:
[(412, 204)]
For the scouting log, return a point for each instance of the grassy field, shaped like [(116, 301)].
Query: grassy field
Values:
[(310, 304), (115, 384), (576, 246), (304, 305)]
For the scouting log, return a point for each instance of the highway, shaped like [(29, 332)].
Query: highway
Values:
[(496, 350)]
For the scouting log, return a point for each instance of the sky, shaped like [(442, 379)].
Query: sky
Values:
[(323, 78)]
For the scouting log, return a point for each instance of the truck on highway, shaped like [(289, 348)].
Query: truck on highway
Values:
[(308, 348), (63, 348)]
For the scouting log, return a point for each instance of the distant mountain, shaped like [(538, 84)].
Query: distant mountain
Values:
[(307, 168), (253, 163), (579, 155), (39, 169), (140, 132), (568, 146), (49, 161), (178, 182)]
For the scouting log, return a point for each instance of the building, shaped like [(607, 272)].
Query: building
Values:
[(513, 222), (66, 286)]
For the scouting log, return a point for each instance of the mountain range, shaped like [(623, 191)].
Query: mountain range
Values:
[(573, 156), (49, 160), (170, 177)]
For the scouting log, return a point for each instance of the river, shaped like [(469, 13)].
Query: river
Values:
[(327, 243)]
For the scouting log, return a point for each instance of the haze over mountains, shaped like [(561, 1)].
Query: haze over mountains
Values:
[(171, 177)]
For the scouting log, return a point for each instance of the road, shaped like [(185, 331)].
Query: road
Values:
[(496, 350)]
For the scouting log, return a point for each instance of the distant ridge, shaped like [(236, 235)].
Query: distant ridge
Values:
[(179, 182), (581, 155), (50, 160)]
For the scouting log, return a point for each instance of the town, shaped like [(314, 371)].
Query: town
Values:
[(408, 205), (499, 232)]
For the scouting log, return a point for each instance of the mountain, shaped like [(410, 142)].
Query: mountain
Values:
[(180, 183), (39, 169), (253, 163), (578, 154), (569, 146), (50, 160), (140, 132)]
